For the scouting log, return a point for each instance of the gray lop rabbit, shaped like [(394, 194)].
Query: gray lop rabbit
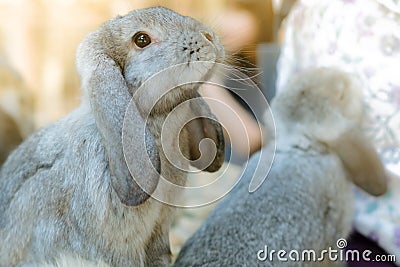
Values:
[(306, 201), (67, 190)]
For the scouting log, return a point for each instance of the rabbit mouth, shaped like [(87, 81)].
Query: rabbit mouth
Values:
[(168, 102)]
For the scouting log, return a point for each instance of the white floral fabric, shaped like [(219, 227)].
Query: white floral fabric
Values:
[(361, 37)]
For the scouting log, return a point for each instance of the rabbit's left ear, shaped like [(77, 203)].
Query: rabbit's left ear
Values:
[(205, 126), (108, 95), (362, 161)]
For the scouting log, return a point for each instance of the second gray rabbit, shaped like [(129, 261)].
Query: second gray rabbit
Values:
[(306, 201)]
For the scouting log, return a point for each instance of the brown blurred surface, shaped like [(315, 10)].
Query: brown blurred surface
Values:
[(10, 136), (39, 39), (15, 98)]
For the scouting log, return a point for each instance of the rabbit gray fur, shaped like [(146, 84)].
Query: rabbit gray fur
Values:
[(306, 202), (68, 190), (73, 261)]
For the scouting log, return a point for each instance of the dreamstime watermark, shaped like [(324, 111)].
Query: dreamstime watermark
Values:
[(164, 85), (337, 254)]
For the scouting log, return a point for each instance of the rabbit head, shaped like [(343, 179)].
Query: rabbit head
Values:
[(147, 41), (325, 105), (121, 56)]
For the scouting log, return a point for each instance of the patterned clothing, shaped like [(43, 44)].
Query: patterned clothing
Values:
[(363, 38)]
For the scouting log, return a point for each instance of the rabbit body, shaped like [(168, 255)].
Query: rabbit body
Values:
[(67, 190), (78, 215), (306, 201), (297, 207)]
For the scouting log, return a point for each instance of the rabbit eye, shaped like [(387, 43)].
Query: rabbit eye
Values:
[(141, 39)]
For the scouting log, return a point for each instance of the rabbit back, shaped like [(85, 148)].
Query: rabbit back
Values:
[(301, 187)]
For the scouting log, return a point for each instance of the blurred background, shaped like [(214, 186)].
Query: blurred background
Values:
[(38, 40)]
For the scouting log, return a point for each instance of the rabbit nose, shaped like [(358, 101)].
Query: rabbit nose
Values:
[(208, 36)]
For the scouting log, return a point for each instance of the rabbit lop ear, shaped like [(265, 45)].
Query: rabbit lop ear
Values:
[(205, 126), (107, 92), (362, 161)]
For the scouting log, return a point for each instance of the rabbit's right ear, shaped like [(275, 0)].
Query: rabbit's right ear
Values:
[(361, 160), (108, 95), (205, 126)]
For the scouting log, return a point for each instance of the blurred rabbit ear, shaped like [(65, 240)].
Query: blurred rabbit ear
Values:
[(108, 94), (205, 125), (362, 161)]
